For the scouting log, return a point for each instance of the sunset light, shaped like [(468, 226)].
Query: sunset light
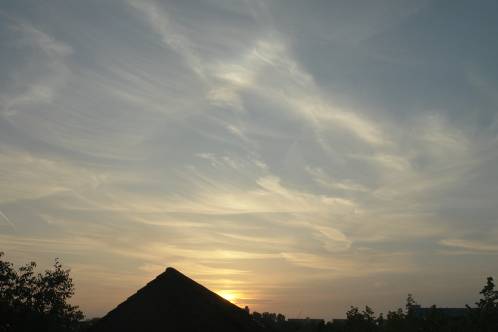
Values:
[(229, 295), (214, 160)]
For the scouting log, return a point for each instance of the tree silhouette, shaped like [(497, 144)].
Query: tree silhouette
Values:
[(486, 313), (32, 301), (361, 321)]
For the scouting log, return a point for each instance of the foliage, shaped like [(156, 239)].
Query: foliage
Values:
[(485, 316), (32, 301), (482, 318), (361, 321)]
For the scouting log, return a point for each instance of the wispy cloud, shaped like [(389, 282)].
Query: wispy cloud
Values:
[(239, 140), (473, 246), (6, 220), (40, 89)]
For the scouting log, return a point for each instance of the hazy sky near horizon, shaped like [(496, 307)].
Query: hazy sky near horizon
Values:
[(303, 155)]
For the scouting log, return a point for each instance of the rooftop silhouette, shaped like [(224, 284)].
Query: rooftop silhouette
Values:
[(174, 302)]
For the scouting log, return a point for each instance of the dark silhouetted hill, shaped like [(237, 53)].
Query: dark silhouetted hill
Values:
[(174, 302)]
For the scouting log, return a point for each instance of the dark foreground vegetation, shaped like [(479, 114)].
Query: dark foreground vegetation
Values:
[(481, 318), (31, 301)]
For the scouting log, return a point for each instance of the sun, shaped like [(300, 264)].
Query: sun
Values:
[(229, 295)]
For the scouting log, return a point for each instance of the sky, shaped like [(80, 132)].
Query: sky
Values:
[(294, 156)]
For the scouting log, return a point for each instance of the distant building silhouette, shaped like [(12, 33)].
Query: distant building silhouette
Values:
[(420, 312), (339, 321), (305, 322)]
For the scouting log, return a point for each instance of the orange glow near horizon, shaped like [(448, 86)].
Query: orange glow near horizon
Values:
[(229, 295)]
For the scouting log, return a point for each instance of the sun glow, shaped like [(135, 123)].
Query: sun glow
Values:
[(229, 295)]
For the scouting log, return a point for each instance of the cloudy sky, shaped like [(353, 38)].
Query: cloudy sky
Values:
[(300, 156)]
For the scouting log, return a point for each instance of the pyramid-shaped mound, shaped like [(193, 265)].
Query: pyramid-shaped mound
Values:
[(174, 302)]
